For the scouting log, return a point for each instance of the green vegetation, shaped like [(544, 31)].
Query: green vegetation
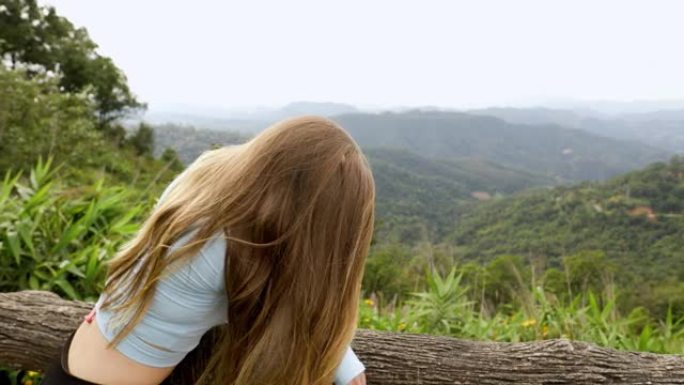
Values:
[(632, 224), (37, 119), (56, 238), (448, 307)]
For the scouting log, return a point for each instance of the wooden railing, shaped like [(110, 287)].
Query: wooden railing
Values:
[(34, 324)]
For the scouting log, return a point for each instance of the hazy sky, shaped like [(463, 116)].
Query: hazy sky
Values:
[(389, 53)]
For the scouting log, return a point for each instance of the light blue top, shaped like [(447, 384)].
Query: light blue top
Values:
[(188, 301)]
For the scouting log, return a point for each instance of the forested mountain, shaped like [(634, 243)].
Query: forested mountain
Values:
[(189, 142), (419, 198), (430, 165), (663, 129), (562, 153), (634, 221)]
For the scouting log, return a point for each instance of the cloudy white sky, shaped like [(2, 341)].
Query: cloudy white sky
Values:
[(389, 52)]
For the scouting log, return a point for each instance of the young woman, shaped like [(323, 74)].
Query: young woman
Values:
[(267, 239)]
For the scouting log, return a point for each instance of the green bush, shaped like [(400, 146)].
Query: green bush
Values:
[(56, 238)]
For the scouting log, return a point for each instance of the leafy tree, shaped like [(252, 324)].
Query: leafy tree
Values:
[(38, 39), (142, 140), (388, 270), (555, 282), (588, 271), (38, 120), (170, 157), (506, 280)]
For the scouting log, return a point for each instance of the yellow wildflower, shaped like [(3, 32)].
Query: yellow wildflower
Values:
[(369, 302), (545, 330), (529, 322)]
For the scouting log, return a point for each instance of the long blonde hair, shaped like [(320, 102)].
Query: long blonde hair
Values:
[(296, 204)]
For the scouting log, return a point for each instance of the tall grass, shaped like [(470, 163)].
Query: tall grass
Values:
[(447, 307)]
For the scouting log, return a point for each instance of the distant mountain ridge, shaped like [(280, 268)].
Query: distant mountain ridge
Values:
[(639, 121), (566, 154), (244, 120), (663, 129)]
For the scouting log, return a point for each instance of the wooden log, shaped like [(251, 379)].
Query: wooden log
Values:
[(34, 324)]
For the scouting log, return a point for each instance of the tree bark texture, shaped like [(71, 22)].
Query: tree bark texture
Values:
[(35, 324)]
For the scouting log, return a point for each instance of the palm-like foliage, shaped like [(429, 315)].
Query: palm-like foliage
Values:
[(53, 238), (444, 307)]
